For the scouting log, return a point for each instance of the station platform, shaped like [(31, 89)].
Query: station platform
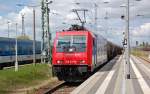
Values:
[(111, 79)]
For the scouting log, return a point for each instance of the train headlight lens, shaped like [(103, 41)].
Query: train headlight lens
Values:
[(71, 50), (82, 61), (59, 61)]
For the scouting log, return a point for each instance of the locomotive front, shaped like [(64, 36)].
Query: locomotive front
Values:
[(70, 62)]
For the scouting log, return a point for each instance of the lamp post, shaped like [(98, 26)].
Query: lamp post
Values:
[(96, 6), (16, 48), (34, 38), (128, 40), (127, 6), (8, 23), (34, 54), (23, 27)]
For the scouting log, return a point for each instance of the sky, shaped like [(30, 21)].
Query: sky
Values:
[(61, 17)]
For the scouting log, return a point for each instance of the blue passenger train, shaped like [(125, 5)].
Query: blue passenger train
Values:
[(25, 51)]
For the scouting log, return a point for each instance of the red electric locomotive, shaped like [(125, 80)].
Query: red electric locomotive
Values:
[(76, 53)]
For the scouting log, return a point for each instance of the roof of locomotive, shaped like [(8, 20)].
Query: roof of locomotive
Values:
[(80, 30), (74, 32)]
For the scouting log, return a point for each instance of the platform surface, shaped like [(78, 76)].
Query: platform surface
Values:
[(111, 79)]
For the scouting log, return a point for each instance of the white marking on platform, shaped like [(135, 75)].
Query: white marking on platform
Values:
[(78, 89), (123, 89), (142, 65), (145, 88), (86, 84), (103, 87)]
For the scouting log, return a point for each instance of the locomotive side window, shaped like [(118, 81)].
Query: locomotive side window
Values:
[(1, 50), (94, 42), (78, 42)]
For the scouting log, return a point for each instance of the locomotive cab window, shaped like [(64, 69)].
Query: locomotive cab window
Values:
[(73, 43)]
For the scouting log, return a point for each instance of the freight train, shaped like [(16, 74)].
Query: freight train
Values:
[(78, 52), (25, 51)]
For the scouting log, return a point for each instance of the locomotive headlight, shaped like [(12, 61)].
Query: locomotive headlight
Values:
[(71, 50), (82, 61), (59, 61)]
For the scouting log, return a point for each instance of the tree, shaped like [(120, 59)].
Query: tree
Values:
[(143, 44), (25, 37), (147, 44)]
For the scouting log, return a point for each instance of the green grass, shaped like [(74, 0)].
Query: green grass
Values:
[(140, 53), (27, 75)]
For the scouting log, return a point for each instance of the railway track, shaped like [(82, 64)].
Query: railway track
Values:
[(59, 87), (145, 59), (64, 88), (49, 87)]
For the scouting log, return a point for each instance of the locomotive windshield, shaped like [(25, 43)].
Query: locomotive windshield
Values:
[(74, 43)]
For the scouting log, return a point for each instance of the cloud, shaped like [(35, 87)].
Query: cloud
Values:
[(5, 8), (64, 7), (16, 18), (142, 31), (71, 16)]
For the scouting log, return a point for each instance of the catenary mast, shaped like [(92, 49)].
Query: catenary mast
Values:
[(46, 35)]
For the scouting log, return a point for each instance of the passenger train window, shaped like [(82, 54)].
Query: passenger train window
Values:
[(1, 51)]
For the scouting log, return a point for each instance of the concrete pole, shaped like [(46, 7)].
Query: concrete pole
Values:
[(8, 36), (16, 63), (43, 29), (95, 17), (8, 28), (34, 54), (48, 34), (23, 27), (128, 40)]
